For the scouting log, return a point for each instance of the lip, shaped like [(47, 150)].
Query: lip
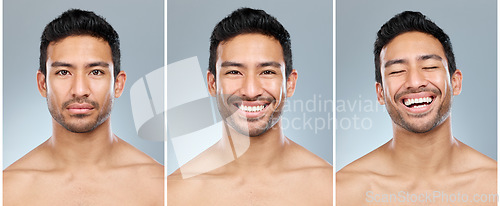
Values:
[(251, 109), (79, 108), (423, 106)]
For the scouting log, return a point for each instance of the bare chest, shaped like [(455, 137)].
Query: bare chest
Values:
[(87, 190), (441, 191), (254, 193)]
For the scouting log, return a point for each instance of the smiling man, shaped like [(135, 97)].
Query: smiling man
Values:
[(83, 162), (416, 79), (251, 76)]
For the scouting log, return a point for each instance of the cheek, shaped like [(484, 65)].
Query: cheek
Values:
[(101, 89), (442, 82), (391, 87), (275, 88), (57, 89), (228, 86)]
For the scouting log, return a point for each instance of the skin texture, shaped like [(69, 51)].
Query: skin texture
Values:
[(253, 163), (423, 156), (83, 162)]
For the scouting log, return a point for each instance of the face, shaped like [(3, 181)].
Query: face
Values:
[(79, 84), (250, 86), (416, 85)]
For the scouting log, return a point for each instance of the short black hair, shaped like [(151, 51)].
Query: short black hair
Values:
[(406, 22), (76, 22), (247, 21)]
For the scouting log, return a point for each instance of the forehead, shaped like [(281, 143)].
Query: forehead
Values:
[(410, 45), (250, 47), (74, 48)]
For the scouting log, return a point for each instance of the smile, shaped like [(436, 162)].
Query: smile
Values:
[(418, 102), (252, 108)]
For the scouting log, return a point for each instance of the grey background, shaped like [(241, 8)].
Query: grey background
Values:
[(472, 27), (27, 122), (310, 24)]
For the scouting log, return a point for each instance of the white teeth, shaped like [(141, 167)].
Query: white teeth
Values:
[(409, 102), (251, 108)]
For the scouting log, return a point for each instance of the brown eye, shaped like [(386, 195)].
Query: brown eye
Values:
[(268, 72), (62, 72), (233, 72), (96, 72)]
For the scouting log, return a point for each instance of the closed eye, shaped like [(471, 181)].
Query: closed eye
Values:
[(430, 67), (396, 72)]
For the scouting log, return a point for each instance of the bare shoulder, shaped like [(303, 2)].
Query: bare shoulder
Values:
[(476, 159), (478, 166), (181, 190), (34, 162), (133, 154), (351, 185), (352, 181), (15, 183), (19, 177), (130, 161), (305, 158)]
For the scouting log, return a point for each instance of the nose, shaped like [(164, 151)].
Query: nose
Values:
[(252, 86), (80, 86), (416, 79)]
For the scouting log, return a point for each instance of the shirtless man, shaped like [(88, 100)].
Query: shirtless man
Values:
[(83, 162), (251, 75), (423, 164)]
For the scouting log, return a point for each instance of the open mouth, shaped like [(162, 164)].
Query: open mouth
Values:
[(417, 102), (251, 108)]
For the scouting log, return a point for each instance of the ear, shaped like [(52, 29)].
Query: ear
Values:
[(291, 82), (212, 87), (120, 80), (456, 82), (380, 93), (41, 83)]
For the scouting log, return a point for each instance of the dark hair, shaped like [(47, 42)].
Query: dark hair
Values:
[(75, 22), (245, 21), (411, 21)]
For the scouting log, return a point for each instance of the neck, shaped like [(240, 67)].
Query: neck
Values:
[(423, 153), (255, 153), (82, 149)]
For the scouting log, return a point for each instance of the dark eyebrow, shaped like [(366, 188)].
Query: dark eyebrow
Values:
[(61, 64), (429, 56), (270, 64), (264, 64), (231, 64), (98, 64), (420, 58), (395, 61), (93, 64)]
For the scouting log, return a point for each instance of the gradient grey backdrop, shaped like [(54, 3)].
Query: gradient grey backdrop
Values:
[(310, 24), (27, 122), (472, 27)]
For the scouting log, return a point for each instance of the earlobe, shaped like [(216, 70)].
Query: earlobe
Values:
[(380, 93), (291, 83), (120, 80), (41, 83), (212, 87), (456, 82)]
